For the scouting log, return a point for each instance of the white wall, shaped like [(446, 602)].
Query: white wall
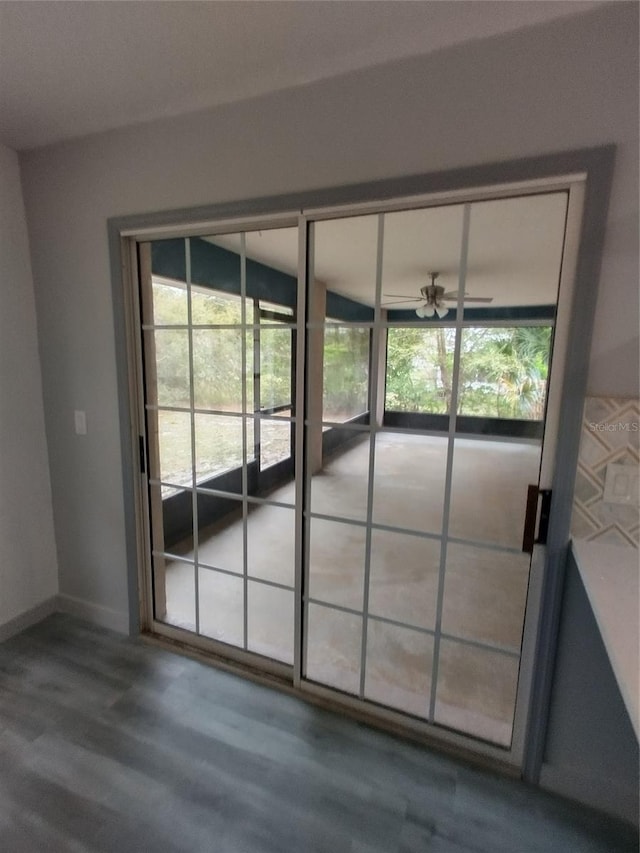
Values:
[(568, 85), (28, 566)]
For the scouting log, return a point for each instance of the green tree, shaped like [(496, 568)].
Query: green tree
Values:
[(419, 365), (503, 371)]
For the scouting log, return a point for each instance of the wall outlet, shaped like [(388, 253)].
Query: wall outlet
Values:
[(621, 484), (80, 421)]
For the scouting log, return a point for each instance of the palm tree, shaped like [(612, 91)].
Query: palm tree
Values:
[(515, 361)]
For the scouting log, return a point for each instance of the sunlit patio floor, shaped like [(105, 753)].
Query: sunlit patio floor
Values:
[(484, 575)]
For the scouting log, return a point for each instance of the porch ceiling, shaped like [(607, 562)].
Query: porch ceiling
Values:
[(515, 249)]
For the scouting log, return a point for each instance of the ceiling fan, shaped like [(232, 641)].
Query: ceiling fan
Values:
[(433, 297)]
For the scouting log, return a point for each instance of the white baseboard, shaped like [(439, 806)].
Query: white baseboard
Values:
[(600, 792), (104, 616), (28, 618)]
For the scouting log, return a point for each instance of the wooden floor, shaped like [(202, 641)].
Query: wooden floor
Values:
[(109, 744)]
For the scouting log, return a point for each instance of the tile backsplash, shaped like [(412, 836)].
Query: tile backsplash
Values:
[(610, 434)]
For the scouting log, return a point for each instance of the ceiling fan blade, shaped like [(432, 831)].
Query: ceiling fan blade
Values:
[(452, 296), (403, 301), (413, 298)]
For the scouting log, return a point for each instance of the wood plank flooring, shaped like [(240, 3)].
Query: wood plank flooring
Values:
[(109, 744)]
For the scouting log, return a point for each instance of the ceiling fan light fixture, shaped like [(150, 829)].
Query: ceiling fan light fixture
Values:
[(441, 311), (420, 312)]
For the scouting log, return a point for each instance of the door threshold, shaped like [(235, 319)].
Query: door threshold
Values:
[(389, 726)]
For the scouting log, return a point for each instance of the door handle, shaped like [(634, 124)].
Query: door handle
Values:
[(529, 538)]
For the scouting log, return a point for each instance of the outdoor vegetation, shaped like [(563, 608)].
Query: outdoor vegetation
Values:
[(503, 375), (217, 353), (217, 383), (503, 371), (346, 373)]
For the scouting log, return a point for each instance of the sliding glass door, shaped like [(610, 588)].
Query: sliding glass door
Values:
[(415, 576), (345, 419)]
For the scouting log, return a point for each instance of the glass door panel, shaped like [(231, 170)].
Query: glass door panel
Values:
[(168, 353), (485, 594), (340, 488), (221, 606), (408, 481), (220, 451), (219, 330), (173, 556), (489, 489), (340, 402), (174, 450), (508, 305), (418, 380), (274, 437), (476, 691), (345, 390), (336, 563), (275, 352), (170, 302), (399, 662), (334, 648), (271, 543), (270, 611), (403, 578), (414, 529), (221, 532), (218, 380), (213, 307)]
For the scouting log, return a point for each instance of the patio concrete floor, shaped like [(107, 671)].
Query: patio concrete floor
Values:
[(485, 578)]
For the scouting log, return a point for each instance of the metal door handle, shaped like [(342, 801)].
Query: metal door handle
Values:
[(529, 538), (545, 513)]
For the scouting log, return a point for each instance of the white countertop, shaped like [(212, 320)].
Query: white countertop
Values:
[(610, 576)]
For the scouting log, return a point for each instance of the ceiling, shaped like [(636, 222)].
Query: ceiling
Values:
[(72, 68), (515, 249)]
